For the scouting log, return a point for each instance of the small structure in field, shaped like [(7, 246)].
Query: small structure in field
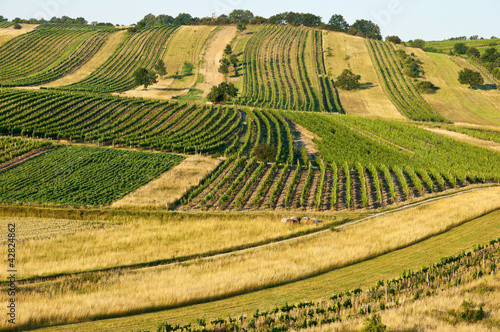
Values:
[(295, 219), (304, 220)]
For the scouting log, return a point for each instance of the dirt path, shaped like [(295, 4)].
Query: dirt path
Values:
[(304, 137), (107, 49), (9, 33), (21, 159), (209, 59), (466, 138)]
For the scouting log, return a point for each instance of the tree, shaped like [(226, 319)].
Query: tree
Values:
[(183, 19), (393, 39), (17, 26), (160, 68), (132, 30), (470, 77), (145, 77), (242, 27), (233, 59), (223, 92), (460, 48), (368, 29), (473, 52), (374, 324), (338, 23), (490, 55), (228, 50), (265, 152), (426, 87), (348, 80), (240, 15), (223, 69), (418, 43)]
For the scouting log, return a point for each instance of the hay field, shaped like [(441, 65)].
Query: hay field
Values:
[(454, 101), (171, 186), (9, 33), (342, 51), (186, 283), (106, 51)]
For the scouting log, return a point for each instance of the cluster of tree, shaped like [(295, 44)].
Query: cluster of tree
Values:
[(411, 67), (55, 20), (222, 93), (475, 37), (417, 43), (348, 80), (229, 59), (490, 59), (362, 28), (146, 77), (393, 39)]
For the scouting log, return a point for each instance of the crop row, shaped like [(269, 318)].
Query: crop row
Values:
[(409, 287), (43, 55), (115, 121), (12, 147), (141, 49)]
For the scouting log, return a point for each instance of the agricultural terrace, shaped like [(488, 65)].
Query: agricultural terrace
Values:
[(399, 88), (141, 49), (32, 59), (82, 176), (115, 121), (284, 69)]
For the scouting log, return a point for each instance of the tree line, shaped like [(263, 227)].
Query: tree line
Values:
[(55, 20)]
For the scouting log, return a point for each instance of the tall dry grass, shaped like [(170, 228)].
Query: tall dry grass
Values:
[(172, 185), (77, 299), (433, 313)]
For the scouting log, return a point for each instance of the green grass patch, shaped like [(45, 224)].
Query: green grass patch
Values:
[(77, 175), (193, 95), (187, 69)]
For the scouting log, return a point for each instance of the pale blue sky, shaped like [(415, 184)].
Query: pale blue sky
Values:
[(410, 19)]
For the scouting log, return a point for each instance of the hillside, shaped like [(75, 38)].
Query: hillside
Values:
[(135, 206)]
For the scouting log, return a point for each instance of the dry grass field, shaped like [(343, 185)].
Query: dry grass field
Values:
[(171, 186), (112, 293), (467, 139), (9, 33), (343, 51)]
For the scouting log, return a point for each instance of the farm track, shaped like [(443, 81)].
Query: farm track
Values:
[(297, 190), (280, 205), (313, 189), (342, 197), (248, 203), (373, 203), (356, 190), (400, 194), (238, 189), (231, 251), (327, 190)]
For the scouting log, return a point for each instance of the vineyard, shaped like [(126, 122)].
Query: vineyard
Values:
[(284, 69), (118, 122), (82, 176), (12, 147), (367, 164), (32, 59), (399, 88), (140, 49)]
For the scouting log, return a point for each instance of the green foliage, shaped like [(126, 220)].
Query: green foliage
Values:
[(241, 27), (468, 314), (460, 48), (223, 92), (374, 324), (393, 39), (145, 77), (418, 43), (17, 26), (426, 87), (228, 50), (82, 176), (160, 68), (348, 80), (470, 77), (265, 152), (366, 29), (187, 69), (338, 23), (132, 30)]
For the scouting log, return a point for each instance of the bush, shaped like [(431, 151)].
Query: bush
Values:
[(470, 77), (265, 152), (17, 26), (426, 87), (374, 324), (470, 315), (222, 92), (460, 48), (393, 39)]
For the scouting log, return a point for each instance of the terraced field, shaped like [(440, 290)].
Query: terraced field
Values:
[(141, 49), (31, 59), (284, 69), (126, 122)]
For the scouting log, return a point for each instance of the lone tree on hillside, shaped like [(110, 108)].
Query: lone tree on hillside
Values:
[(228, 50), (145, 77), (17, 26), (417, 43), (160, 68), (470, 77), (223, 92), (393, 39), (473, 52), (348, 80), (242, 27), (265, 153), (224, 66)]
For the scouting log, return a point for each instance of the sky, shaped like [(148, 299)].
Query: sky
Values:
[(408, 19)]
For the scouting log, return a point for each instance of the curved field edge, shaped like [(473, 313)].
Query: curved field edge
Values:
[(320, 287), (405, 239)]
